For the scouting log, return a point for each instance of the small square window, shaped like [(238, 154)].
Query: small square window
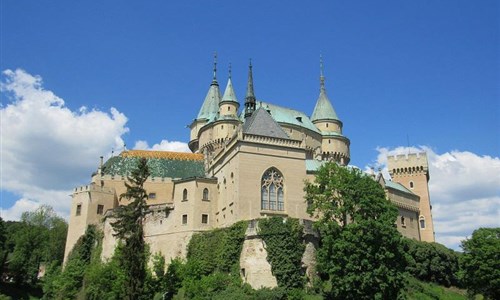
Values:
[(100, 209), (152, 196), (204, 219), (78, 209), (184, 219)]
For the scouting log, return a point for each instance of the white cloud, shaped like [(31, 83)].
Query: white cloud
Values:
[(164, 145), (47, 149), (464, 189)]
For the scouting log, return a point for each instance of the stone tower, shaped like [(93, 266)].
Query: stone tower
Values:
[(412, 171)]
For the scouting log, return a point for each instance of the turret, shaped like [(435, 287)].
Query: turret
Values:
[(335, 146), (208, 111), (229, 104)]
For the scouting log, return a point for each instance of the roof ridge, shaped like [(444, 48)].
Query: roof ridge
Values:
[(158, 154)]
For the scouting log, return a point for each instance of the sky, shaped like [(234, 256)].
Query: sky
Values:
[(81, 79)]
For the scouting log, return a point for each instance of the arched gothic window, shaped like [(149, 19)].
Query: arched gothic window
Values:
[(272, 190), (185, 195), (205, 194)]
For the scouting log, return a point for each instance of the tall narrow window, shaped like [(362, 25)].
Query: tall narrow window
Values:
[(411, 184), (272, 194), (100, 209), (185, 195), (422, 222), (205, 194), (184, 219), (78, 209)]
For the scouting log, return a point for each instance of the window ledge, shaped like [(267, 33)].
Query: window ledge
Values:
[(274, 212)]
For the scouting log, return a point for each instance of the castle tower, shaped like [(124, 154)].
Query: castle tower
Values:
[(334, 145), (412, 171), (208, 110), (228, 106)]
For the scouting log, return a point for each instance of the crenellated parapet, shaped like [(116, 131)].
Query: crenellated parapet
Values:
[(408, 164)]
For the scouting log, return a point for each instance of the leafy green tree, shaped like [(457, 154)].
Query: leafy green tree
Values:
[(432, 262), (361, 253), (129, 228), (480, 263), (39, 239), (3, 244), (67, 283)]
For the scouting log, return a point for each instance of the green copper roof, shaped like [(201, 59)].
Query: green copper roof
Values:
[(210, 106), (323, 109), (288, 116), (159, 167), (229, 95), (312, 165), (397, 186)]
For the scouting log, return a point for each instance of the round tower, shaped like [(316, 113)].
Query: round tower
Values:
[(208, 112), (334, 145)]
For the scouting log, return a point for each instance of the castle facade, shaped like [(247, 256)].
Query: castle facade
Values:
[(247, 163)]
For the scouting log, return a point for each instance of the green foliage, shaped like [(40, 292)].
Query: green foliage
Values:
[(284, 245), (105, 280), (38, 239), (418, 290), (480, 263), (66, 284), (173, 278), (432, 262), (215, 250), (361, 252), (129, 228)]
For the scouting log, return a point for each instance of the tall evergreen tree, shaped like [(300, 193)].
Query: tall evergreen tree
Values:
[(361, 253), (129, 228)]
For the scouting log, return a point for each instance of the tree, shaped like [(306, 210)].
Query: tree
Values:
[(39, 239), (480, 263), (361, 252), (129, 228), (432, 262)]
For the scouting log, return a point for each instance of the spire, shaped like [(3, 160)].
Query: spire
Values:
[(321, 77), (229, 95), (250, 97), (323, 109), (214, 79), (210, 106)]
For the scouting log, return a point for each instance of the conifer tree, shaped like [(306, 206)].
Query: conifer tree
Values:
[(128, 227)]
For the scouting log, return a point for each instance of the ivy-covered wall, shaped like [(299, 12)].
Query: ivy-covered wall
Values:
[(285, 246), (217, 250)]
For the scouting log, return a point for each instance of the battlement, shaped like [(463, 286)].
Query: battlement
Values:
[(407, 160), (93, 188)]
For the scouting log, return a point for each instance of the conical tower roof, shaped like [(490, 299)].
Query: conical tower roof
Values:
[(210, 106), (323, 109), (229, 95)]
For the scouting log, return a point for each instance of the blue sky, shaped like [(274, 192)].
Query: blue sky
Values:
[(423, 73)]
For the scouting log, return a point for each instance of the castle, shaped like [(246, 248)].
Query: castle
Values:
[(246, 164)]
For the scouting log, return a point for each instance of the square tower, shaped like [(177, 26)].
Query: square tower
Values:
[(412, 171)]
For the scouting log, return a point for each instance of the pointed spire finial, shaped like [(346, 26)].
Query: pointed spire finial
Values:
[(215, 65), (321, 76), (230, 71), (250, 97)]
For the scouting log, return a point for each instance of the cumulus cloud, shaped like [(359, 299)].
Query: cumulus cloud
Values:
[(464, 189), (47, 149), (164, 145)]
